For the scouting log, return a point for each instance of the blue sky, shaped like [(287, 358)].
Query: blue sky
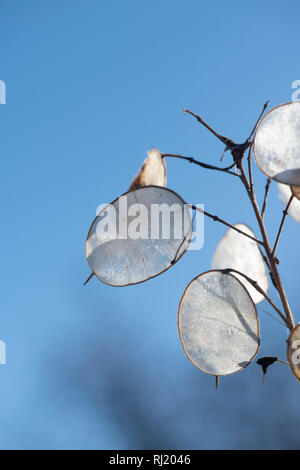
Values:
[(91, 86)]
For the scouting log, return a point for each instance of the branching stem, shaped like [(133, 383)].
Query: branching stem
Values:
[(271, 258), (238, 152)]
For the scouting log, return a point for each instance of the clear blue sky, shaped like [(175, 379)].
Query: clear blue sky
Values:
[(91, 85)]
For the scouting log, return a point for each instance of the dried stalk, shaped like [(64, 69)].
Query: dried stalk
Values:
[(237, 152), (257, 287), (217, 219), (267, 189), (282, 222), (202, 164)]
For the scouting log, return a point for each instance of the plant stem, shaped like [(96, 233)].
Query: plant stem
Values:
[(237, 152), (258, 288), (202, 164), (272, 261), (281, 224), (259, 118), (283, 362), (274, 318), (250, 169), (89, 278), (223, 139), (217, 219), (267, 189)]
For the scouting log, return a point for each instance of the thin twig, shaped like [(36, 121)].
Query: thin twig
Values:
[(267, 189), (183, 241), (89, 278), (217, 382), (217, 219), (258, 288), (283, 362), (274, 318), (224, 151), (281, 224), (251, 145), (249, 168), (202, 164), (222, 138), (258, 120)]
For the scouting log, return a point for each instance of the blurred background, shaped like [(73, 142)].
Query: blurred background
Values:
[(90, 87)]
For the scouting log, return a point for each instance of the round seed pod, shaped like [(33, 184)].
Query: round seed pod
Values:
[(139, 236), (218, 324), (277, 144)]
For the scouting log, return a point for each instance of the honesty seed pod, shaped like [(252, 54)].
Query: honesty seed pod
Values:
[(277, 144), (218, 324)]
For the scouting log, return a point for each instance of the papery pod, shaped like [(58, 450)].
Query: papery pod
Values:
[(296, 192), (218, 324), (293, 351), (153, 171), (130, 242), (277, 144)]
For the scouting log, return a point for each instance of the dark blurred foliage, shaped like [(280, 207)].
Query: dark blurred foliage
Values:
[(151, 407)]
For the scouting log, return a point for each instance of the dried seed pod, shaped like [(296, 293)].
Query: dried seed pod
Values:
[(153, 171), (218, 324), (296, 192), (277, 144), (138, 236), (293, 351)]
